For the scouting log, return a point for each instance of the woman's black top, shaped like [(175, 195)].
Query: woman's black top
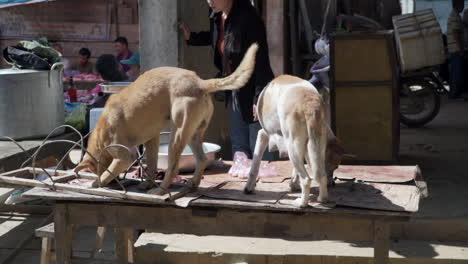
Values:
[(242, 28)]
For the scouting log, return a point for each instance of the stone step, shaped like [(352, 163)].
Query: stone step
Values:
[(184, 248)]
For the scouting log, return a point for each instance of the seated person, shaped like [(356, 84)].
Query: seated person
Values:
[(122, 51), (111, 71), (65, 61), (84, 65), (134, 63)]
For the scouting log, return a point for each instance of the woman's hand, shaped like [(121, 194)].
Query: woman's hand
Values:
[(185, 30)]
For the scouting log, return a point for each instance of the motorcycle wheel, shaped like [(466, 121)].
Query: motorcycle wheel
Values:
[(419, 102)]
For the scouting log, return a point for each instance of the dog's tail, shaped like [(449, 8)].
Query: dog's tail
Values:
[(238, 78)]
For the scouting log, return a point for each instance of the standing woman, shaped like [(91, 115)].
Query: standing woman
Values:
[(234, 26)]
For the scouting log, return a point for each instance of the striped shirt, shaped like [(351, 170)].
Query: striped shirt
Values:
[(454, 27)]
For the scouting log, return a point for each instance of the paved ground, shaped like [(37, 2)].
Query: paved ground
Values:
[(440, 149)]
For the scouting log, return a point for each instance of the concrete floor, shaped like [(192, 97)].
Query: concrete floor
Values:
[(440, 149)]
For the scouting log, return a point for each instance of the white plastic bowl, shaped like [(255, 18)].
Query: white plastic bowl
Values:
[(187, 160)]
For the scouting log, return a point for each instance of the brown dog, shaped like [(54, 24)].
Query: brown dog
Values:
[(141, 111), (293, 118)]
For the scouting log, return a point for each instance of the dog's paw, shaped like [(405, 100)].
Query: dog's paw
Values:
[(95, 184), (157, 191), (249, 188), (145, 185), (299, 202), (248, 191), (323, 199), (192, 185)]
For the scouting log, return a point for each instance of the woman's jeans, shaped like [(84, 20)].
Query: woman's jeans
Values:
[(244, 135)]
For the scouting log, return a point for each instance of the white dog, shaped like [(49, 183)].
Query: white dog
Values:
[(293, 118)]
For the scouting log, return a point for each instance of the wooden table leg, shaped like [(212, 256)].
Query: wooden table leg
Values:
[(46, 250), (381, 242), (63, 234), (124, 241), (100, 233)]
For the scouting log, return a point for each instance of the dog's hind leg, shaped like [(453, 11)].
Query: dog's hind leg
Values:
[(179, 140), (294, 184), (260, 147), (297, 150), (316, 147), (197, 148), (152, 149)]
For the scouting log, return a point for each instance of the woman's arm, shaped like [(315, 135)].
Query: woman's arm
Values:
[(202, 38), (195, 38)]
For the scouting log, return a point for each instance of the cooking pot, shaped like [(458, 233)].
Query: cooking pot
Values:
[(31, 102)]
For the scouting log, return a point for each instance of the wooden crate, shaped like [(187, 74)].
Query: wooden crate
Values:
[(364, 95)]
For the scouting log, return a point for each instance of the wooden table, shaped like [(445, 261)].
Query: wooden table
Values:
[(214, 217)]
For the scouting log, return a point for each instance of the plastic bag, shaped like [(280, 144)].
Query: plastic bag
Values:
[(242, 165), (75, 115)]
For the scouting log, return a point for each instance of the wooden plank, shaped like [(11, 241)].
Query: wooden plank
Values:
[(395, 174), (124, 240), (265, 193), (208, 202), (228, 221), (77, 260), (4, 193), (205, 187), (85, 190), (381, 242), (46, 247), (68, 196), (378, 196), (46, 231), (26, 209), (100, 233), (63, 234)]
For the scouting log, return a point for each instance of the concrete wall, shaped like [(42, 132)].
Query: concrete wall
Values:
[(442, 9), (124, 22), (158, 33), (276, 33)]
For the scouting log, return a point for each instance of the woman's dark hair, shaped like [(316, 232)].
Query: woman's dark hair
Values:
[(108, 67), (235, 36), (85, 52)]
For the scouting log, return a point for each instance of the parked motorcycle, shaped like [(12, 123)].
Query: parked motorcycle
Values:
[(420, 97), (419, 93)]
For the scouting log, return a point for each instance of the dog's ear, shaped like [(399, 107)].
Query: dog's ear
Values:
[(336, 147)]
